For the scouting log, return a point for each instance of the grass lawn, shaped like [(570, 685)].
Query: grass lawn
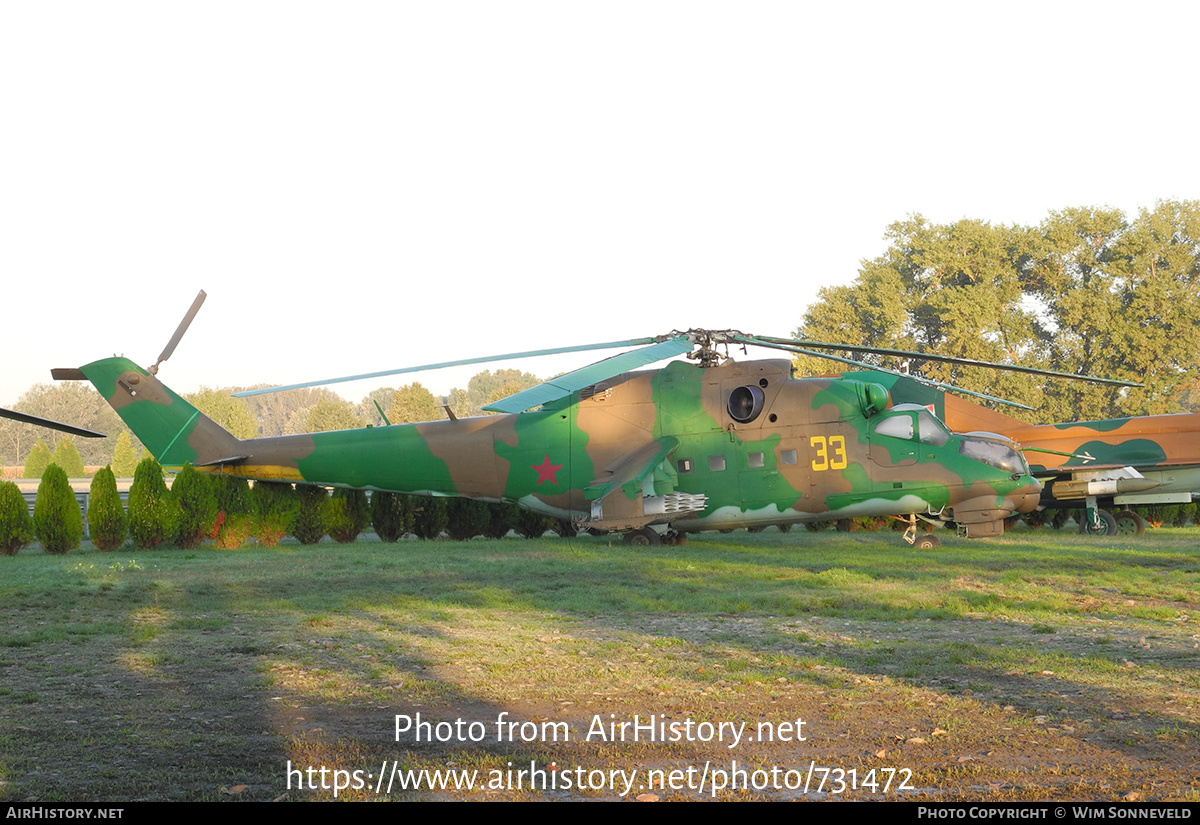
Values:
[(1040, 665)]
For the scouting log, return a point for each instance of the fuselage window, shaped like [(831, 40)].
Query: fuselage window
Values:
[(896, 426), (716, 463), (757, 459), (787, 457), (932, 431)]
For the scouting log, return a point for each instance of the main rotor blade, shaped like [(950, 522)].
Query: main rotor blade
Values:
[(463, 362), (47, 422), (792, 345), (179, 331)]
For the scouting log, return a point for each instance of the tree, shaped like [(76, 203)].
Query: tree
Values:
[(466, 518), (124, 457), (1084, 292), (948, 290), (57, 519), (328, 415), (153, 511), (532, 525), (366, 410), (108, 525), (197, 502), (235, 518), (482, 388), (38, 460), (413, 403), (429, 516), (276, 506), (502, 516), (284, 413), (349, 513), (1121, 300), (231, 413), (391, 515), (312, 518), (16, 528), (67, 457)]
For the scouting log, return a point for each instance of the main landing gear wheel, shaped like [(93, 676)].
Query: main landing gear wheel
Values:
[(646, 537), (1105, 524), (926, 542), (1130, 523)]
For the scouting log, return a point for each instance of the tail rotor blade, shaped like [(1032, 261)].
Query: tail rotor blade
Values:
[(179, 331)]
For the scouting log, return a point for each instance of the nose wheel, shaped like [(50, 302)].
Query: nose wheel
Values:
[(646, 537)]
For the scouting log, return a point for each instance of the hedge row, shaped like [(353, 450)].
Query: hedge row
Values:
[(227, 511)]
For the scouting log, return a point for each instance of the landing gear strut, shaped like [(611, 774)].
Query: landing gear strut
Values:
[(924, 541)]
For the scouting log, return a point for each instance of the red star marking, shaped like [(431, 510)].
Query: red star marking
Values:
[(546, 470)]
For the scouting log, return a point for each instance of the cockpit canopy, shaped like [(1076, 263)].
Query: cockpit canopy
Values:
[(995, 451), (913, 422)]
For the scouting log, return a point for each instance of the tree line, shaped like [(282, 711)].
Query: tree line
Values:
[(1084, 291)]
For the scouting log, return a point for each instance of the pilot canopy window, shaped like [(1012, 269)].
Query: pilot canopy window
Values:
[(914, 425)]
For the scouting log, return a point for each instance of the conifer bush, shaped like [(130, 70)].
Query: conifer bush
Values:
[(153, 511), (16, 527), (532, 525), (125, 460), (502, 515), (233, 500), (57, 519), (37, 461), (429, 517), (108, 525), (391, 514), (276, 506), (466, 518), (66, 455), (197, 501), (349, 513), (312, 518)]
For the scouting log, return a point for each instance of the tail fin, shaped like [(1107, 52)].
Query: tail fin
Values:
[(173, 430)]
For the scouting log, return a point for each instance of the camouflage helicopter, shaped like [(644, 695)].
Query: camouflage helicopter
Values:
[(652, 455), (1102, 468)]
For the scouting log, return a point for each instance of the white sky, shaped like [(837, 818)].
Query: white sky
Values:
[(365, 185)]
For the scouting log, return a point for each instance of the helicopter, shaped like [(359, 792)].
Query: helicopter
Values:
[(651, 455), (1103, 468)]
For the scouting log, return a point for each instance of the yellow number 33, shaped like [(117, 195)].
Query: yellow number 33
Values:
[(823, 461)]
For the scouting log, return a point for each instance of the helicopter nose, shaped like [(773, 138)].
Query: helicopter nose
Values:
[(1025, 498)]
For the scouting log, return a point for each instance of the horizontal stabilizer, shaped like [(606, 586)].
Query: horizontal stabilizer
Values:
[(233, 459), (67, 374)]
